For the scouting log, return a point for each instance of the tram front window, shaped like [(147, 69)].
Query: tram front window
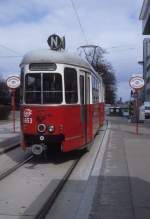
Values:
[(33, 88), (43, 88), (52, 88)]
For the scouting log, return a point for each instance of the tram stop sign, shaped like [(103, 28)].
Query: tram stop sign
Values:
[(136, 82), (13, 82)]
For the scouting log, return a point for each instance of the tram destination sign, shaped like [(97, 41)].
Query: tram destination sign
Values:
[(13, 82), (136, 82), (55, 42)]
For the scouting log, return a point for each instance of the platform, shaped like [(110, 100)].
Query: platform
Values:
[(123, 186), (9, 138)]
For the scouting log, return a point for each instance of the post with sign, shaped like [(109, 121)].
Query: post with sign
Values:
[(136, 83), (13, 82)]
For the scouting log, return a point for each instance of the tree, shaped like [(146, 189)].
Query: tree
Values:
[(95, 56), (4, 93)]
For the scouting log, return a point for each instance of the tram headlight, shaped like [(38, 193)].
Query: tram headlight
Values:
[(51, 128), (41, 128)]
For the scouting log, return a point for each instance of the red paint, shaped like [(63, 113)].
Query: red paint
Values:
[(67, 120), (13, 108)]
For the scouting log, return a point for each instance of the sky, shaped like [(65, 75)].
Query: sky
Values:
[(114, 25)]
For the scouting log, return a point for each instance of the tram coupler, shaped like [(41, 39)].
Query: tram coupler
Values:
[(38, 149)]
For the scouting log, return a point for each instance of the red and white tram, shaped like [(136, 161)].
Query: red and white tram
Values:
[(62, 101)]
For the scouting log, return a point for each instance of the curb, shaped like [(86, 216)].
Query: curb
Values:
[(87, 201)]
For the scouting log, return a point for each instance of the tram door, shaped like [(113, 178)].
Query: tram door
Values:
[(83, 100)]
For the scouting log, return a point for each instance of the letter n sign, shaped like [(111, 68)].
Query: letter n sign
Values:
[(54, 41)]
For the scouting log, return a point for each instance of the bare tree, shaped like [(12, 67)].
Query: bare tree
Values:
[(95, 56)]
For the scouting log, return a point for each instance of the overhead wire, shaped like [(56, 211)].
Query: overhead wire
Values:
[(119, 48), (11, 50), (79, 21), (10, 56)]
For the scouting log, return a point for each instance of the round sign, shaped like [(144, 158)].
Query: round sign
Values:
[(55, 42), (136, 82), (13, 82)]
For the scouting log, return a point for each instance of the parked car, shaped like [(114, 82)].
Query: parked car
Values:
[(147, 110)]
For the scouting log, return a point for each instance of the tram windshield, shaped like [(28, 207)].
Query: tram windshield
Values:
[(43, 88), (52, 88)]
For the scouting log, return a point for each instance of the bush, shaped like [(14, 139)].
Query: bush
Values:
[(4, 112)]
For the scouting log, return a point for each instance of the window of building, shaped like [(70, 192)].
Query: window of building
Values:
[(71, 89)]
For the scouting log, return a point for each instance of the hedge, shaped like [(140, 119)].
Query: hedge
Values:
[(4, 111)]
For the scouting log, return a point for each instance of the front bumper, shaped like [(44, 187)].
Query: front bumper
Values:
[(45, 139)]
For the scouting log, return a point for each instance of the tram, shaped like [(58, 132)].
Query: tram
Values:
[(62, 101)]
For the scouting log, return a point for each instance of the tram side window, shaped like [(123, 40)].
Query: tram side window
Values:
[(95, 90), (88, 90), (71, 91), (33, 88), (21, 85), (82, 89), (52, 88)]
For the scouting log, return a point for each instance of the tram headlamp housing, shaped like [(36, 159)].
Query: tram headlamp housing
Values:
[(41, 128), (51, 128)]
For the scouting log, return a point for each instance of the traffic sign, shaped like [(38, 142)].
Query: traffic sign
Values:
[(13, 82), (136, 82)]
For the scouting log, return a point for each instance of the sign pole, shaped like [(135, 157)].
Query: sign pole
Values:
[(14, 109), (13, 82), (137, 113), (136, 83)]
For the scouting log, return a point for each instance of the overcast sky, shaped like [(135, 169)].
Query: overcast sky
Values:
[(26, 24)]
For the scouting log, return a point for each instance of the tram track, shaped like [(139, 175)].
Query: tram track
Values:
[(52, 198), (56, 168), (52, 174), (40, 215), (14, 168), (4, 150)]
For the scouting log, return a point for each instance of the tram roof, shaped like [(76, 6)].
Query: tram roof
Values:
[(49, 56)]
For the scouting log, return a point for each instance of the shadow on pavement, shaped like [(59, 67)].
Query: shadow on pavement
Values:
[(119, 197), (114, 198)]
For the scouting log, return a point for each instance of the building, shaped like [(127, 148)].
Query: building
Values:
[(145, 17), (146, 68)]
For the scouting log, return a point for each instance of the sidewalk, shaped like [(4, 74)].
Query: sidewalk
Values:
[(8, 138), (123, 188)]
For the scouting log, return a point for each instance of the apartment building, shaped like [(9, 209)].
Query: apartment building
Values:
[(145, 17)]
